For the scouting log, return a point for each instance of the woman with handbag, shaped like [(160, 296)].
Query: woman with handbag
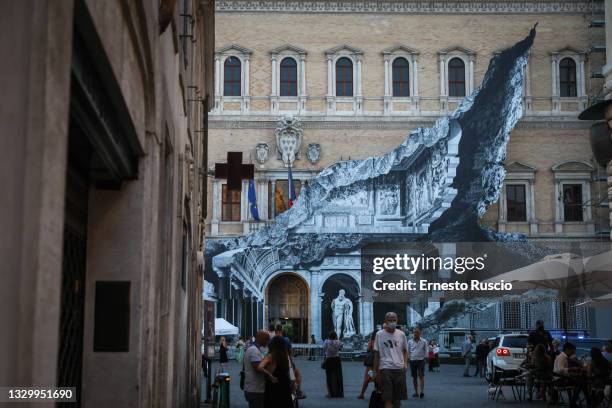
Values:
[(277, 367), (369, 365), (333, 366)]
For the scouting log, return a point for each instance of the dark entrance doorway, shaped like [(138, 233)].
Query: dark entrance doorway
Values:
[(331, 288), (70, 356), (288, 305)]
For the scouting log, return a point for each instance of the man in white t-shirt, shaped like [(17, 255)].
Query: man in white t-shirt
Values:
[(417, 347), (254, 380), (391, 354)]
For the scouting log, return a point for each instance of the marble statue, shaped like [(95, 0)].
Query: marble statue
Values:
[(342, 315)]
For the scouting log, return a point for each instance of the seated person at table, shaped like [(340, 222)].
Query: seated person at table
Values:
[(598, 368), (608, 351), (569, 369)]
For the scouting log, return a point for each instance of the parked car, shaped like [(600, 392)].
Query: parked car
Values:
[(508, 352)]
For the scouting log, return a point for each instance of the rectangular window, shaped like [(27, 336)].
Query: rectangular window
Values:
[(230, 208), (516, 203), (572, 202)]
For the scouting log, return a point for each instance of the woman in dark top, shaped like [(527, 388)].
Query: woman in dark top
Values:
[(333, 366), (599, 368), (223, 353), (277, 366), (541, 369)]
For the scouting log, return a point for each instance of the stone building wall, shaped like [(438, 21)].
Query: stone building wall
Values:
[(143, 210), (548, 135)]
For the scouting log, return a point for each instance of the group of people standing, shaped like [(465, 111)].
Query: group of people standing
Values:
[(270, 380)]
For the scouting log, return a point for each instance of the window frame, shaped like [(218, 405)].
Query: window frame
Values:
[(450, 81), (564, 205), (350, 71), (565, 83), (234, 82), (233, 203), (525, 203), (295, 81), (407, 83)]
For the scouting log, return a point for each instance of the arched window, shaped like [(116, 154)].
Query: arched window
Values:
[(401, 77), (288, 77), (567, 77), (344, 77), (231, 77), (456, 77)]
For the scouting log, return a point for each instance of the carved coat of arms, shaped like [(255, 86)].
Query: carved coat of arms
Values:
[(289, 134), (313, 153), (262, 152)]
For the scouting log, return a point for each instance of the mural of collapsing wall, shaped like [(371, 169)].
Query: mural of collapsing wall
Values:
[(431, 188)]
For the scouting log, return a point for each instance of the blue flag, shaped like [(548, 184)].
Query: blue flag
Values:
[(291, 189), (253, 200)]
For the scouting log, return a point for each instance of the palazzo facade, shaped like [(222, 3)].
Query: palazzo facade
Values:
[(359, 76)]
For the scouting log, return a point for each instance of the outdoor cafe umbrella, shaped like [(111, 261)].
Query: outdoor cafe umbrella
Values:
[(599, 301), (224, 328), (569, 274)]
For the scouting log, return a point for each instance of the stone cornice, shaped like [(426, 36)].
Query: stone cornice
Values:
[(376, 123), (406, 6)]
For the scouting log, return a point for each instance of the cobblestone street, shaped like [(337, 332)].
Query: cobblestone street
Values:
[(444, 389)]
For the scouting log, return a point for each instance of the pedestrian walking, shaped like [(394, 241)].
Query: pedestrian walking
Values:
[(417, 352), (369, 366), (275, 366), (254, 379), (240, 347), (466, 353), (223, 353), (333, 366), (390, 362), (434, 354), (312, 350), (482, 351)]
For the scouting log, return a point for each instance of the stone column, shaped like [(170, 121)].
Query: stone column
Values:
[(315, 303), (273, 203), (415, 78), (217, 77), (303, 75), (274, 76), (387, 78), (216, 206), (533, 222), (358, 76), (330, 77), (556, 105), (246, 77), (471, 76)]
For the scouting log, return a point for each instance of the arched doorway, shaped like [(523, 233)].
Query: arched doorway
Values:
[(287, 303), (331, 290)]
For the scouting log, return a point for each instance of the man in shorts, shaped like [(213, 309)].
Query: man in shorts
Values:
[(390, 356), (417, 347)]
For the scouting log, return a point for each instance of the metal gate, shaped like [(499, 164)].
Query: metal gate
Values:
[(70, 353)]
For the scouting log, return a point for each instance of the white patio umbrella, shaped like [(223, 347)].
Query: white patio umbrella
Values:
[(569, 274), (224, 328), (599, 301)]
